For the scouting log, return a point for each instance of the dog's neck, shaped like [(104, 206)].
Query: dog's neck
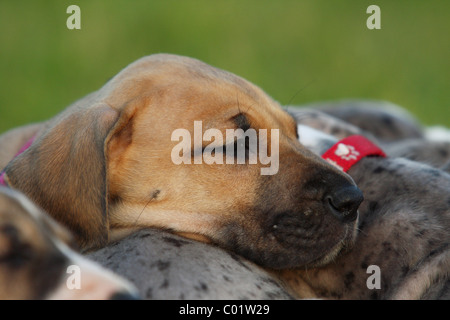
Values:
[(344, 153)]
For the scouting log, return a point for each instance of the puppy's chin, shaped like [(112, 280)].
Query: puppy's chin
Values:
[(286, 245), (343, 246)]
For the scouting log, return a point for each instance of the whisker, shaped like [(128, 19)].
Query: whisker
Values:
[(237, 101), (300, 90), (362, 231), (139, 216)]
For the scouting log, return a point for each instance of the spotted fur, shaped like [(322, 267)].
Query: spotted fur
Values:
[(166, 266), (403, 228)]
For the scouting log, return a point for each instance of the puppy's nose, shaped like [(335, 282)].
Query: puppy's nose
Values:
[(344, 203)]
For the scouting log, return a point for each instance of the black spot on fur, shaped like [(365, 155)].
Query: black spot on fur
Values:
[(364, 263), (432, 242), (433, 172), (201, 286), (443, 153), (349, 279), (114, 244), (162, 265), (271, 295), (149, 293), (405, 270), (269, 281), (335, 131), (336, 295), (155, 194), (420, 233), (373, 205), (176, 242), (145, 235), (378, 170), (238, 259), (165, 284)]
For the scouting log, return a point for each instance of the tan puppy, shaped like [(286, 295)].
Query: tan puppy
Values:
[(105, 165), (36, 261)]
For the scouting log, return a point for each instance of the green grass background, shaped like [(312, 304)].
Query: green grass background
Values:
[(298, 51)]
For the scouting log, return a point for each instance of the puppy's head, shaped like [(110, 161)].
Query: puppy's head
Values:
[(36, 262), (107, 163)]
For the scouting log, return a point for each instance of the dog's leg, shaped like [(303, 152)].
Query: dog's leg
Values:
[(428, 281)]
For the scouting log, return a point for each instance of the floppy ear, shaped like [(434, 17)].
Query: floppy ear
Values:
[(64, 172)]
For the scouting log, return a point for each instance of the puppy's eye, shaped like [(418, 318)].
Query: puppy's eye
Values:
[(240, 148)]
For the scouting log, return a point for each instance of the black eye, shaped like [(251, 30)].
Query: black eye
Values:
[(240, 148), (242, 143), (241, 121)]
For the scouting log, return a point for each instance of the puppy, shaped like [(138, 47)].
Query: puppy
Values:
[(390, 126), (383, 120), (433, 149), (163, 265), (402, 230), (37, 263), (104, 167)]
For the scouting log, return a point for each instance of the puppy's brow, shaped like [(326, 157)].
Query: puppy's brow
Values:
[(241, 121)]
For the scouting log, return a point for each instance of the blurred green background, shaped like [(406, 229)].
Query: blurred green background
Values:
[(298, 51)]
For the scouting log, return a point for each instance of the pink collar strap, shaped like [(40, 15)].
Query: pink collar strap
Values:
[(348, 151), (24, 147)]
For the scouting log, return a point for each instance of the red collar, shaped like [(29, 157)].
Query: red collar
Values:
[(24, 147), (350, 150)]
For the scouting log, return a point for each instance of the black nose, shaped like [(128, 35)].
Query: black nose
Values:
[(124, 296), (344, 203)]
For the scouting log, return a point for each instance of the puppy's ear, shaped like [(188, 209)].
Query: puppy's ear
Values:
[(64, 171)]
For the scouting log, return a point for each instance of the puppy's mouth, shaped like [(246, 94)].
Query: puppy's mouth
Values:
[(342, 246), (288, 239), (317, 239)]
